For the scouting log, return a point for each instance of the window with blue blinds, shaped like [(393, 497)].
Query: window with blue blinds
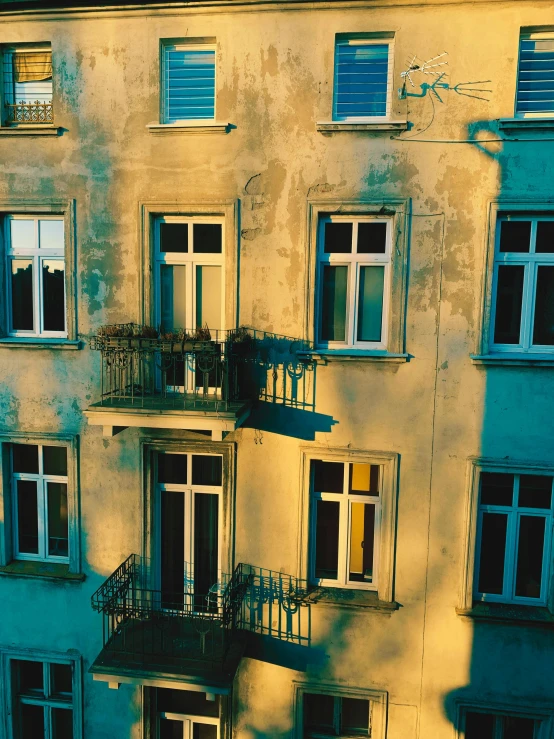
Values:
[(361, 80), (189, 84), (535, 84)]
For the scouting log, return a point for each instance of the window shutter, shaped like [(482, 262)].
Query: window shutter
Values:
[(535, 85), (361, 80), (189, 84)]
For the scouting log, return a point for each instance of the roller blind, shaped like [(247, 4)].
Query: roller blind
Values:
[(361, 80), (535, 84), (189, 84)]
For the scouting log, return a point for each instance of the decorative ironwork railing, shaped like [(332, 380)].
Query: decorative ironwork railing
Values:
[(203, 369), (28, 112), (145, 625)]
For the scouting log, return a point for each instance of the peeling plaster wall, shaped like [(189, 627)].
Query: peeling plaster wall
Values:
[(274, 81)]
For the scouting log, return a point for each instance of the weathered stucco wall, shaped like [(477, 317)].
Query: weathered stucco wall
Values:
[(274, 81)]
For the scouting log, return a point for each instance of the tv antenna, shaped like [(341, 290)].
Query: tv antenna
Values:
[(430, 68)]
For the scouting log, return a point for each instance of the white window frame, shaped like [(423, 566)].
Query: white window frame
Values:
[(539, 713), (41, 480), (345, 500), (189, 722), (514, 513), (365, 40), (531, 36), (354, 262), (185, 45), (37, 255), (189, 491), (468, 592), (378, 700), (8, 505), (151, 531), (384, 543), (7, 54), (47, 658), (530, 261), (189, 260), (399, 213)]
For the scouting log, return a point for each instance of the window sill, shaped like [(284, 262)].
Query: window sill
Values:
[(514, 360), (189, 128), (323, 356), (15, 342), (37, 129), (526, 124), (373, 126), (41, 571), (507, 612), (346, 598)]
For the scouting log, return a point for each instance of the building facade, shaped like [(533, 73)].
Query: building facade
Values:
[(277, 340)]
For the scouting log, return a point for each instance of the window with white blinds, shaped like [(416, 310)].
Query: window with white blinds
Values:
[(363, 78), (535, 83), (188, 83)]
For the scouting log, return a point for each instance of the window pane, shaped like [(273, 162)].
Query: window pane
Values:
[(327, 539), (172, 468), (28, 677), (22, 295), (529, 556), (27, 516), (32, 721), (22, 234), (206, 469), (370, 303), (205, 548), (319, 712), (171, 729), (508, 304), (172, 288), (479, 726), (534, 88), (543, 330), (372, 238), (172, 549), (354, 716), (54, 460), (208, 297), (364, 479), (515, 236), (57, 519), (62, 723), (204, 731), (361, 80), (545, 237), (328, 476), (493, 548), (338, 238), (207, 238), (516, 727), (497, 488), (25, 458), (50, 234), (362, 540), (61, 679), (53, 295), (174, 237), (333, 303), (535, 491)]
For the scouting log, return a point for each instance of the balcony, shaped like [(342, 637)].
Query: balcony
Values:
[(155, 637), (24, 112), (199, 380)]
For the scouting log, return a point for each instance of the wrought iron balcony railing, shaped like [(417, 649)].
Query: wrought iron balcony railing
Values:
[(30, 112), (203, 370), (188, 633)]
